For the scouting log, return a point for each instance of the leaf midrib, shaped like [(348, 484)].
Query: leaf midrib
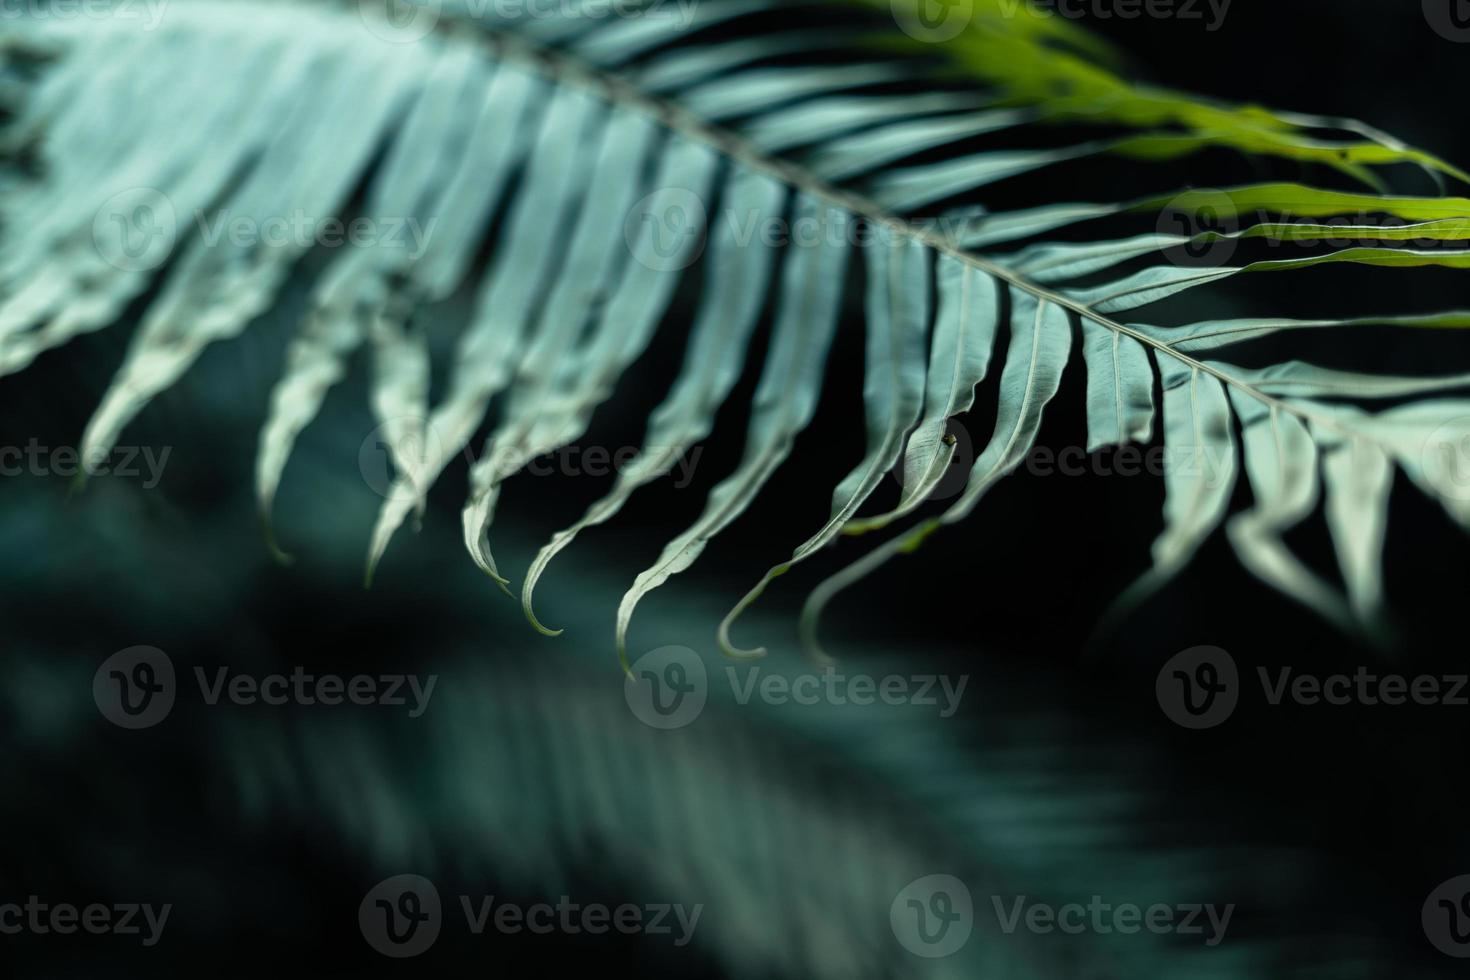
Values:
[(561, 67)]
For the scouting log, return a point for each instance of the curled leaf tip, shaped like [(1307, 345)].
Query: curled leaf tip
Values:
[(529, 610), (273, 546)]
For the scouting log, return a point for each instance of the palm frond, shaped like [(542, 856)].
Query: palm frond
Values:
[(593, 159)]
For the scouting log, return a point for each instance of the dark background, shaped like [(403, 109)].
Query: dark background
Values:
[(1375, 796)]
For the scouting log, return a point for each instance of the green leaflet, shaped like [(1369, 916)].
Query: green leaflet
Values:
[(1041, 340), (811, 291), (1158, 283), (1120, 388), (1213, 334), (740, 276), (1300, 201), (898, 321), (1058, 262), (1013, 46), (1295, 379), (1281, 461), (964, 339)]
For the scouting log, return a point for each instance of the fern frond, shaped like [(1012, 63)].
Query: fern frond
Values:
[(616, 151)]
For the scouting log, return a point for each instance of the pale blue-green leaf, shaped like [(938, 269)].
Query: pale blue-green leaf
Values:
[(333, 329), (819, 120), (1359, 478), (893, 393), (913, 188), (852, 156), (1281, 461), (811, 299), (559, 388), (1041, 341), (740, 274), (1010, 226), (964, 339), (762, 90), (1120, 388), (316, 157), (535, 252)]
